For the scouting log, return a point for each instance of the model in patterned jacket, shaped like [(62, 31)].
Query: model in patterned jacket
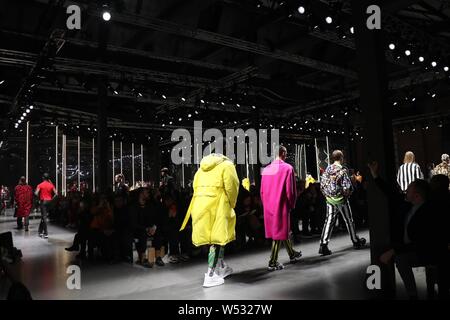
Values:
[(336, 186), (443, 167)]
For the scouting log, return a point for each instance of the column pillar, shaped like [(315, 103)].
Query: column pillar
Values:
[(378, 134)]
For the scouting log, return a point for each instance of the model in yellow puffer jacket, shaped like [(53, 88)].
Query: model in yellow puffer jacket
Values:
[(216, 187)]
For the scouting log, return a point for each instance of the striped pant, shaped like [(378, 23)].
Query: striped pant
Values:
[(276, 244), (330, 221)]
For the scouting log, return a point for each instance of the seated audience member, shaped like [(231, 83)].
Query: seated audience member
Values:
[(172, 224), (84, 222), (159, 217), (297, 212), (313, 210), (122, 229), (101, 229), (141, 225), (240, 217)]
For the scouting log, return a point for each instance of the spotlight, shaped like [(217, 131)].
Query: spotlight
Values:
[(106, 15), (21, 118), (433, 95), (183, 99), (433, 64), (28, 111), (140, 94), (2, 81), (301, 10), (31, 107), (253, 107), (164, 97), (352, 30), (24, 114), (421, 59), (116, 92), (392, 46), (446, 69), (329, 20), (189, 115), (202, 101), (407, 52), (19, 121)]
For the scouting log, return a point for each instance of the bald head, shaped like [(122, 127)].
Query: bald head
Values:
[(282, 153)]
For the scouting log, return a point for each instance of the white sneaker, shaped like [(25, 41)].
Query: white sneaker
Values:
[(212, 281), (224, 272)]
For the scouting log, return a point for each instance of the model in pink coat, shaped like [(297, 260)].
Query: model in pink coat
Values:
[(278, 196)]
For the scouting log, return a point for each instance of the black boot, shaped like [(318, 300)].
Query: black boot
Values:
[(359, 244), (73, 248), (324, 251)]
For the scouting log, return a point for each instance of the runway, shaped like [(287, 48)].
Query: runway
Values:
[(339, 276)]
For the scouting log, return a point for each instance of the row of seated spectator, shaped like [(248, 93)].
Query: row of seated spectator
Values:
[(142, 218), (150, 218)]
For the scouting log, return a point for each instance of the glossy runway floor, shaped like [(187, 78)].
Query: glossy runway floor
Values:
[(44, 265)]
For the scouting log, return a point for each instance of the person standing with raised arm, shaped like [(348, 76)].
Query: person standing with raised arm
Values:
[(336, 186)]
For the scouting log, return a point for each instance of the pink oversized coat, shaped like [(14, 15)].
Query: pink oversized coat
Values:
[(278, 195)]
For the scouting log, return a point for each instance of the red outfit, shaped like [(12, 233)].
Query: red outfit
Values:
[(46, 191), (23, 195)]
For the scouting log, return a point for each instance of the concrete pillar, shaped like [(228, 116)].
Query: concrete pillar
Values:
[(378, 134)]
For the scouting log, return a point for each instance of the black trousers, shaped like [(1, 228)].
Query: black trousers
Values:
[(45, 208), (99, 239), (408, 260), (142, 238), (21, 223), (178, 241), (124, 244)]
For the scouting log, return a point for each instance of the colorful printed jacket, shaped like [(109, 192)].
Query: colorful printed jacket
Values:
[(335, 184), (442, 168)]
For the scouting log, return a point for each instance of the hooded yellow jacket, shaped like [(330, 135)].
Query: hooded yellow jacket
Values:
[(216, 187)]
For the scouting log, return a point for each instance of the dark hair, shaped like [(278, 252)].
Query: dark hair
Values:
[(281, 150), (46, 176), (439, 183), (337, 155), (22, 180)]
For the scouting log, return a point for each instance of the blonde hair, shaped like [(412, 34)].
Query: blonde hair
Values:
[(409, 157)]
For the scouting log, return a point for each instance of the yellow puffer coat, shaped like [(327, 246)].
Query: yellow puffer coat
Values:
[(216, 187)]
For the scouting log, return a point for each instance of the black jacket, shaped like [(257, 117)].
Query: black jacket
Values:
[(425, 230), (141, 218)]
